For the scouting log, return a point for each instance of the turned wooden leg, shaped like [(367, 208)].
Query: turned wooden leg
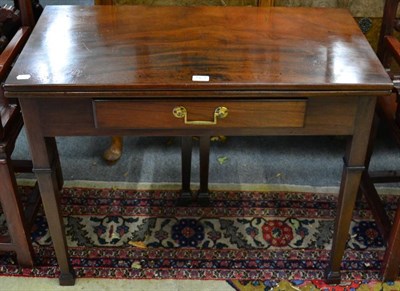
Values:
[(186, 154), (114, 152), (203, 195)]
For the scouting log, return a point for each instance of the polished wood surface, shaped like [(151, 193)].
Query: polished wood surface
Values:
[(187, 2), (113, 153), (115, 70), (266, 49), (327, 116), (157, 114)]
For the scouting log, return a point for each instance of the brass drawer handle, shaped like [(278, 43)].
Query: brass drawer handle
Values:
[(181, 112)]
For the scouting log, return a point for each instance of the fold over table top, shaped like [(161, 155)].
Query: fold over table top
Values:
[(125, 48)]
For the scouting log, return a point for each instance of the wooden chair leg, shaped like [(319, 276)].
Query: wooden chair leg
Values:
[(114, 152), (19, 234), (375, 204), (391, 261), (389, 231)]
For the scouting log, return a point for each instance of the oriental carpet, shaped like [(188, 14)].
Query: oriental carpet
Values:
[(255, 239)]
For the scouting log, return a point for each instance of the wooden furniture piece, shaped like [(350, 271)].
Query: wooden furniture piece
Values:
[(114, 151), (387, 111), (16, 25), (136, 72), (265, 3), (210, 2)]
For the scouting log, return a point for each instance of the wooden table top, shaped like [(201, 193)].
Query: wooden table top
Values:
[(123, 48)]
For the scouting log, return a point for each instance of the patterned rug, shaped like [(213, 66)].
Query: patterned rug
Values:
[(256, 240)]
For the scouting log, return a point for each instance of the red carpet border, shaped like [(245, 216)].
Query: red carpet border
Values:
[(255, 240)]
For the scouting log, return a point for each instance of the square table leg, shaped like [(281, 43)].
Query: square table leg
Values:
[(46, 166), (354, 165), (186, 156), (203, 195)]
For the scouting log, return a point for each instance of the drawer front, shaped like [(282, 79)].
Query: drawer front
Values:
[(134, 114)]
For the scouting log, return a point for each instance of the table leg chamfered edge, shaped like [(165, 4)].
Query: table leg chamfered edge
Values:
[(354, 165)]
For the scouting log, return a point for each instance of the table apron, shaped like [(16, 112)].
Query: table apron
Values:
[(333, 115)]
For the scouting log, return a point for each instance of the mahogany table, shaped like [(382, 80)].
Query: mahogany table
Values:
[(196, 71)]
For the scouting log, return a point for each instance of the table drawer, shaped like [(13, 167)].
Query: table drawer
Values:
[(194, 114)]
